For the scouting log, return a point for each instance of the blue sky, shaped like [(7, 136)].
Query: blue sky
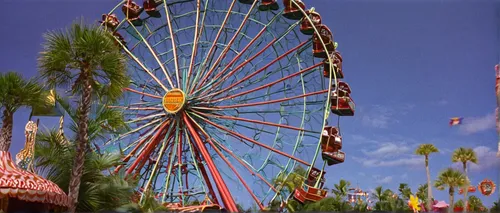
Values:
[(411, 65)]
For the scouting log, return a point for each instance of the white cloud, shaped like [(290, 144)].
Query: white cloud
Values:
[(361, 174), (478, 124), (379, 116), (387, 150), (404, 161), (381, 180), (487, 159)]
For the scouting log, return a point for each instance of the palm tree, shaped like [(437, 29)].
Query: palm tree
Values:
[(342, 188), (289, 183), (86, 58), (475, 204), (426, 150), (464, 155), (381, 197), (15, 92), (99, 190), (452, 179), (404, 191)]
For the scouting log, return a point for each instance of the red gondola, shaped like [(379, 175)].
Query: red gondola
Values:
[(293, 10), (266, 5), (337, 66), (307, 192), (110, 21), (331, 139), (342, 103), (327, 37), (306, 27), (334, 157), (150, 8), (132, 11)]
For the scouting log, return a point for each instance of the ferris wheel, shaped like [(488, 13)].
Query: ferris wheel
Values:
[(227, 97)]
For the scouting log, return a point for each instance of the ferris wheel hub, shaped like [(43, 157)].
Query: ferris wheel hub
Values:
[(174, 101)]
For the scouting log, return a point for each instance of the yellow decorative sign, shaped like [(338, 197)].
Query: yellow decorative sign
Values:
[(173, 101)]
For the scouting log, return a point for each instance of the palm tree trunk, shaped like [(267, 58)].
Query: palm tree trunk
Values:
[(429, 186), (466, 190), (6, 131), (81, 146), (451, 192)]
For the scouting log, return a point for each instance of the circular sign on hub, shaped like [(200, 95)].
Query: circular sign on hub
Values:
[(173, 101)]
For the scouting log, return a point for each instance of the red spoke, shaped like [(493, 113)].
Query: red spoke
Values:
[(261, 69), (233, 169), (195, 45), (154, 141), (269, 84), (143, 93), (219, 182), (239, 67), (272, 101), (210, 51), (228, 47), (253, 121), (241, 162), (135, 108), (255, 142), (204, 172)]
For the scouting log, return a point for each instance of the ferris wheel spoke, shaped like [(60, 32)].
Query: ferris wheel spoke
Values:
[(202, 169), (271, 101), (210, 52), (254, 121), (223, 53), (141, 65), (269, 84), (157, 163), (154, 54), (162, 131), (222, 188), (143, 93), (209, 141), (136, 108), (240, 136), (274, 42), (261, 69), (243, 163), (219, 81), (195, 42), (172, 39)]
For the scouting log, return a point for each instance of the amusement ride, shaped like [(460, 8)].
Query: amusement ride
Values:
[(226, 98)]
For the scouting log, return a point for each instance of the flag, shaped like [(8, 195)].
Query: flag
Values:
[(456, 121), (52, 107)]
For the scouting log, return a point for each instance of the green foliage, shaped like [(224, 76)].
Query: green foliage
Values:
[(476, 205), (464, 155), (100, 190), (341, 189), (450, 178), (328, 204), (103, 121), (426, 149), (422, 192), (16, 92), (84, 52)]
